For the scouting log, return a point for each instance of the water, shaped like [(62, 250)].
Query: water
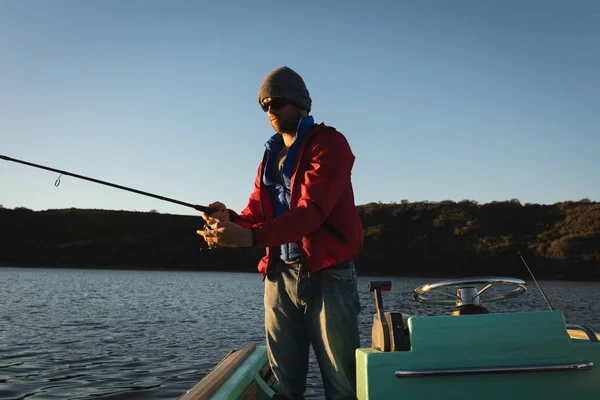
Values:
[(76, 333)]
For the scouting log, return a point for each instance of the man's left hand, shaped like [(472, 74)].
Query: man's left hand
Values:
[(227, 234)]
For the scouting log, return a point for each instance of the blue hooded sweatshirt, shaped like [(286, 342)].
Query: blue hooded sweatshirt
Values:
[(280, 194)]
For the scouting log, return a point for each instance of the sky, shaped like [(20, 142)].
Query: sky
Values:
[(439, 100)]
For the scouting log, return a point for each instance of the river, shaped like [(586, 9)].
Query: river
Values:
[(129, 334)]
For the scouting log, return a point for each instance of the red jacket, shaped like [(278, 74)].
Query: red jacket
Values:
[(323, 218)]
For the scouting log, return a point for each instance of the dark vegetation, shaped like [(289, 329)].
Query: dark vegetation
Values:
[(446, 239)]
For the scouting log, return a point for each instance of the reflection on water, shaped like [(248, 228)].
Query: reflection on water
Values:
[(153, 334)]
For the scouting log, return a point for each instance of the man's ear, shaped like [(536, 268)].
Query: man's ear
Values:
[(303, 112)]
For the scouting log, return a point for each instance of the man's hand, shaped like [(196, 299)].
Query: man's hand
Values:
[(221, 215), (227, 234)]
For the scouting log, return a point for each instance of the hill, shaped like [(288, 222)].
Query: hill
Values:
[(560, 241)]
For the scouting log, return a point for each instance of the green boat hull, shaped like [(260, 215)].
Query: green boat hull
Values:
[(497, 356)]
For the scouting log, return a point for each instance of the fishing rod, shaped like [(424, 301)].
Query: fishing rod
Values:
[(536, 282), (205, 209)]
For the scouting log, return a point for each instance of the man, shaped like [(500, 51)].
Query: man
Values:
[(302, 212)]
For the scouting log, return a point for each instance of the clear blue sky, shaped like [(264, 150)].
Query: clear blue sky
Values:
[(440, 100)]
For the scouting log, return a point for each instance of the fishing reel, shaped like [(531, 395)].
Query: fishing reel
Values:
[(207, 227)]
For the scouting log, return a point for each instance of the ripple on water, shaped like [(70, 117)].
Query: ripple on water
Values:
[(154, 334)]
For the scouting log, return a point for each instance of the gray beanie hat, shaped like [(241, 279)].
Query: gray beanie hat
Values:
[(285, 82)]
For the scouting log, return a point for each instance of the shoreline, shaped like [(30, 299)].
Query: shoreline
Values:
[(433, 275)]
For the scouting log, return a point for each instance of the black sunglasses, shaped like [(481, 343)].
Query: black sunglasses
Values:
[(275, 104)]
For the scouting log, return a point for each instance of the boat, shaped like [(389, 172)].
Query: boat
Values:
[(243, 374), (471, 352), (517, 355)]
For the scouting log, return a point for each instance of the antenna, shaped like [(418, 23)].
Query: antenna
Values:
[(536, 283)]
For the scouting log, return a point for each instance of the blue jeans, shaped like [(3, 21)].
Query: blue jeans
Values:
[(319, 309)]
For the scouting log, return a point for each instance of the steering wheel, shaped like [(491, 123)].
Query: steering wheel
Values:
[(467, 293)]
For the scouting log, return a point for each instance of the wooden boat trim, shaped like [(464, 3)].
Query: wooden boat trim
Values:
[(207, 386)]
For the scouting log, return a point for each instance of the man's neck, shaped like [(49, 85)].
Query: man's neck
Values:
[(288, 138)]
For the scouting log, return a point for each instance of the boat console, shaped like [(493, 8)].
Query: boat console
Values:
[(522, 354)]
